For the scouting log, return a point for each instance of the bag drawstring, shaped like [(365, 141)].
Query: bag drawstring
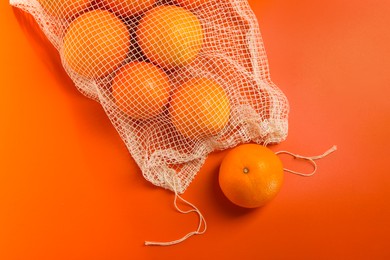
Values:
[(202, 226), (311, 159)]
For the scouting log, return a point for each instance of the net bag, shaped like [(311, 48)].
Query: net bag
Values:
[(178, 79)]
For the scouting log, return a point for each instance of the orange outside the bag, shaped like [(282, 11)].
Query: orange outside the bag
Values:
[(251, 175)]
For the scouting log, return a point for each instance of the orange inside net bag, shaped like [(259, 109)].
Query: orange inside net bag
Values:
[(178, 79)]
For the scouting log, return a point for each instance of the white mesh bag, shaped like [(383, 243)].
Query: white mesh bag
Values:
[(178, 79)]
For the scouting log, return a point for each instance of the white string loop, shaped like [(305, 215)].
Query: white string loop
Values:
[(311, 159), (202, 221)]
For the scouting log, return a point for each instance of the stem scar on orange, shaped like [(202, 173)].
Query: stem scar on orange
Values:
[(251, 175)]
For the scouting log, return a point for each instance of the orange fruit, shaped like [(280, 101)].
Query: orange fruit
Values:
[(129, 7), (200, 107), (96, 44), (141, 89), (64, 8), (192, 4), (251, 175), (170, 36)]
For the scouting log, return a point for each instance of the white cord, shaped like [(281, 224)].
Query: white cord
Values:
[(198, 231), (311, 159)]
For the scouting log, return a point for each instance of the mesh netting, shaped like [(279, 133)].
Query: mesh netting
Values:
[(178, 79)]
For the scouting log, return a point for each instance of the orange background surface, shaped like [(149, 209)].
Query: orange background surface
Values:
[(70, 190)]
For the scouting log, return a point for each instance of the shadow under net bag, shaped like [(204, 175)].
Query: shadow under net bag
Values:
[(178, 79)]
